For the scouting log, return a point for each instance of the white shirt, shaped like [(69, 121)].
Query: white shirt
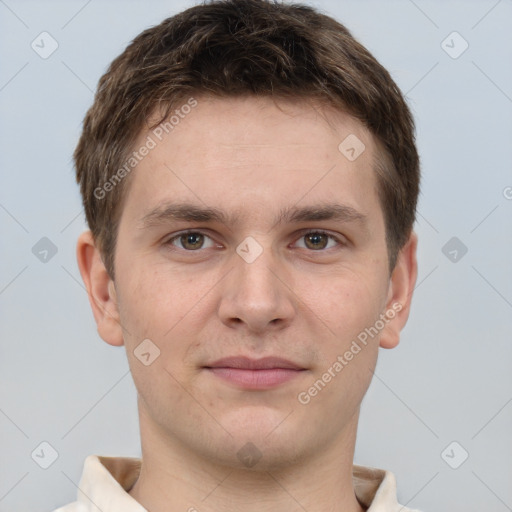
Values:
[(106, 481)]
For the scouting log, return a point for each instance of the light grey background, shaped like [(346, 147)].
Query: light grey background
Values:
[(449, 380)]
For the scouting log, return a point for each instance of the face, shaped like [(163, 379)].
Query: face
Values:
[(251, 252)]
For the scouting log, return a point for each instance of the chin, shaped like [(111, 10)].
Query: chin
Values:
[(257, 421), (262, 439)]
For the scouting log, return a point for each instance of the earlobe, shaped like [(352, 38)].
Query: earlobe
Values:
[(100, 289), (401, 287)]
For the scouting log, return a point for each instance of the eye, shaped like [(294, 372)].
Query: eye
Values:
[(318, 240), (191, 241)]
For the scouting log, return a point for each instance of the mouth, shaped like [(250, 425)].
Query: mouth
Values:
[(255, 374)]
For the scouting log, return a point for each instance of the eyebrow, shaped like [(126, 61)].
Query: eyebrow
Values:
[(189, 212)]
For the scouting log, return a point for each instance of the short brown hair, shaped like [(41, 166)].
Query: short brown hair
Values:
[(244, 47)]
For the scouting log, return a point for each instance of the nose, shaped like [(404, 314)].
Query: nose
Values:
[(257, 296)]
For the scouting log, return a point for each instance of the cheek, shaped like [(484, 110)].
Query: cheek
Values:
[(348, 307), (170, 310), (153, 302), (344, 304), (347, 355)]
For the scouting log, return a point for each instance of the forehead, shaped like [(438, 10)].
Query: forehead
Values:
[(256, 124), (249, 152)]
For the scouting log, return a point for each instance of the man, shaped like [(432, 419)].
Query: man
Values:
[(249, 176)]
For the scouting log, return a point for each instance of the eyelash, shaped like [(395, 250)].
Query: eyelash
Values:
[(303, 234)]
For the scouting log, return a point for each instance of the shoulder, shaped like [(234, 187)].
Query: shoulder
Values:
[(376, 489)]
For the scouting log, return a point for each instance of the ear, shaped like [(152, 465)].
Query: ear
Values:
[(401, 287), (100, 289)]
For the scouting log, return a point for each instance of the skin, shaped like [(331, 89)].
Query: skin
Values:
[(300, 299)]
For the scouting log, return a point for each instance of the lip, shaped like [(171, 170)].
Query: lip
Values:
[(246, 363), (250, 373)]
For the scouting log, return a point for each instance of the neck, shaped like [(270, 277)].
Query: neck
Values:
[(173, 477)]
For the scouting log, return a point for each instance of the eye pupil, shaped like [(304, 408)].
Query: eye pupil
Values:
[(316, 240), (192, 240)]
